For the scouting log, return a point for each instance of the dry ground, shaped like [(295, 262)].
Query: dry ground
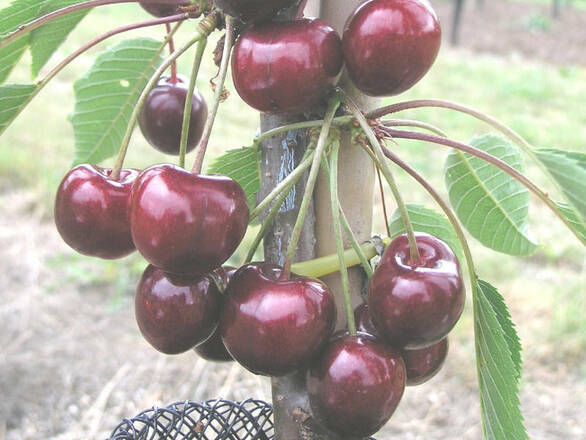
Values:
[(73, 364)]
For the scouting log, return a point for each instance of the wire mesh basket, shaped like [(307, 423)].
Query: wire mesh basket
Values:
[(216, 419)]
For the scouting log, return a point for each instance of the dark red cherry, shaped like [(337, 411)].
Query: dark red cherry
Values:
[(252, 10), (389, 45), (286, 66), (163, 9), (174, 316), (186, 223), (272, 326), (91, 211), (161, 117), (355, 385), (214, 349), (363, 320), (414, 305), (424, 363)]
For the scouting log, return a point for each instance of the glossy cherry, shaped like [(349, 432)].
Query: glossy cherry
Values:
[(415, 304), (163, 9), (272, 326), (214, 349), (174, 316), (161, 117), (355, 385), (91, 211), (389, 45), (286, 66), (249, 11), (186, 223)]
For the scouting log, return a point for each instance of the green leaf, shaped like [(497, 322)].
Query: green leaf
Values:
[(428, 221), (45, 40), (107, 94), (242, 165), (569, 171), (13, 98), (570, 214), (492, 206), (498, 360)]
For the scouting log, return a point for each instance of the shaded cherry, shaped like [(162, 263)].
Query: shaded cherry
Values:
[(91, 211), (272, 326), (355, 385), (249, 11), (415, 305), (161, 117), (163, 9), (286, 67), (175, 315), (214, 349), (389, 45), (186, 223)]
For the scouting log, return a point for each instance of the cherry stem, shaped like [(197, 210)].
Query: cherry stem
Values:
[(35, 24), (412, 123), (399, 134), (301, 9), (384, 203), (173, 79), (201, 45), (335, 205), (282, 186), (386, 170), (310, 185), (206, 26), (205, 139)]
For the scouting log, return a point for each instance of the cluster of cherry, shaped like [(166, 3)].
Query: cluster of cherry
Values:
[(187, 225)]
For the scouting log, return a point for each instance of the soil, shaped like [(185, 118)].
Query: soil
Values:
[(73, 364)]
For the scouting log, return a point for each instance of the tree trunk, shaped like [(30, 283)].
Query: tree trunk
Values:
[(456, 21), (279, 156)]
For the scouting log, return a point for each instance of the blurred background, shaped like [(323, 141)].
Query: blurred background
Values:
[(72, 361)]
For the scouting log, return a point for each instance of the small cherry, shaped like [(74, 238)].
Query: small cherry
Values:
[(275, 326), (174, 314), (249, 11), (91, 211), (161, 117), (286, 66), (355, 385), (416, 304), (163, 9), (186, 223), (389, 45)]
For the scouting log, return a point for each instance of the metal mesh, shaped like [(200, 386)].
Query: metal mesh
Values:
[(211, 420)]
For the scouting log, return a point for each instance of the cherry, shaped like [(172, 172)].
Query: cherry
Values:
[(389, 45), (175, 315), (273, 326), (214, 349), (163, 9), (91, 211), (249, 11), (186, 223), (286, 67), (355, 385), (421, 363), (415, 304), (161, 117)]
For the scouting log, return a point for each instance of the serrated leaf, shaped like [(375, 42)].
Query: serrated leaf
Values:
[(570, 214), (428, 221), (242, 165), (13, 98), (492, 206), (106, 95), (569, 170), (499, 364), (45, 40)]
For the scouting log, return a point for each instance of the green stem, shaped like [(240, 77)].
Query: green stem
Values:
[(399, 134), (207, 131), (310, 185), (383, 201), (412, 123), (386, 170), (338, 237), (201, 45)]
